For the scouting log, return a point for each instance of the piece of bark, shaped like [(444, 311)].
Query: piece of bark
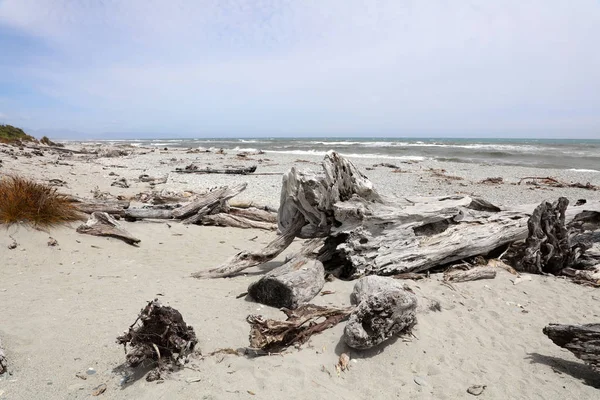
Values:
[(235, 221), (247, 259), (581, 340), (161, 336), (307, 320), (102, 224), (192, 169), (294, 283), (472, 274), (254, 214), (385, 309), (3, 362), (208, 200)]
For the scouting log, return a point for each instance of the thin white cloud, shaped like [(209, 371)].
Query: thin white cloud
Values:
[(308, 66)]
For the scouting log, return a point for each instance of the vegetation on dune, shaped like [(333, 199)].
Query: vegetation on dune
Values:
[(9, 134), (23, 200)]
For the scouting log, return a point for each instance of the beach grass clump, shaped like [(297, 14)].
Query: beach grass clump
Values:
[(37, 204), (12, 134)]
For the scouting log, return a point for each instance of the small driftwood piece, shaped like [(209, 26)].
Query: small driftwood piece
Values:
[(553, 182), (192, 169), (3, 362), (384, 309), (581, 340), (152, 180), (236, 221), (161, 336), (472, 274), (275, 336), (247, 259), (208, 200), (102, 224), (291, 285)]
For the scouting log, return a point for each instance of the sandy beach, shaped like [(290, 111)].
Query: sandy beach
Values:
[(63, 306)]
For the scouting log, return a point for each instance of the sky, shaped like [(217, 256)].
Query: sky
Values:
[(247, 68)]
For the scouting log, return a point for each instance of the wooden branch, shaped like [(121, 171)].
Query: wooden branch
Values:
[(294, 283), (147, 213), (384, 310), (208, 200), (581, 340), (192, 169), (254, 214), (102, 224), (247, 259), (234, 221), (472, 274)]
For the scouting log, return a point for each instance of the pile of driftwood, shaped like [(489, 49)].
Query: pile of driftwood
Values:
[(356, 233), (211, 208)]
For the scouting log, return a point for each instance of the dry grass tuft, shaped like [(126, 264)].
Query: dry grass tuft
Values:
[(23, 200)]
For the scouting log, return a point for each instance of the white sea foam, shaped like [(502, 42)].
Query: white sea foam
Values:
[(248, 149), (352, 155), (583, 170)]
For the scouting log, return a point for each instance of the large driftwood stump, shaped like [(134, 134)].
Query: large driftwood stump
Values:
[(3, 362), (581, 340), (294, 283), (385, 309), (102, 224), (161, 336)]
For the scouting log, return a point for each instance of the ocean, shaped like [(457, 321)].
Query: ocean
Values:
[(541, 153)]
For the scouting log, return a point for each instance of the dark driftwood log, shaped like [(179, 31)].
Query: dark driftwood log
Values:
[(208, 200), (472, 274), (581, 340), (228, 171), (102, 224), (307, 320), (385, 309), (247, 259), (161, 336), (294, 283), (3, 362)]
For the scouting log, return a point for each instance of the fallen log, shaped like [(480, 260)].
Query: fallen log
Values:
[(162, 336), (235, 221), (3, 362), (384, 309), (88, 206), (102, 224), (274, 335), (581, 340), (472, 274), (192, 169), (210, 199), (291, 285), (147, 213), (254, 214)]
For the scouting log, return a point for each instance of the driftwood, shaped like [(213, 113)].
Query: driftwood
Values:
[(384, 309), (307, 320), (208, 200), (254, 214), (472, 274), (366, 233), (122, 183), (553, 182), (161, 336), (152, 180), (147, 213), (3, 362), (88, 206), (235, 221), (102, 224), (294, 283), (581, 340), (193, 169)]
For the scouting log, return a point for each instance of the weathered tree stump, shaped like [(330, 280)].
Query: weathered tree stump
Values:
[(294, 283), (581, 340), (385, 309), (102, 224), (162, 337)]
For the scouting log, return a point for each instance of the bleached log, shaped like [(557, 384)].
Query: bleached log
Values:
[(581, 340), (247, 259), (384, 309), (88, 206), (207, 200), (148, 213), (294, 283), (254, 214), (472, 274), (102, 224), (234, 221)]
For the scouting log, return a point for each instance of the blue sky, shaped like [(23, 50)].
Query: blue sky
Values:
[(501, 68)]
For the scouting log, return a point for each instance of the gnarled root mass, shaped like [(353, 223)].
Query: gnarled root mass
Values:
[(162, 336), (581, 340)]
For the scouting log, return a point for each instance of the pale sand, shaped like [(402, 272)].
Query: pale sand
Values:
[(62, 307)]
